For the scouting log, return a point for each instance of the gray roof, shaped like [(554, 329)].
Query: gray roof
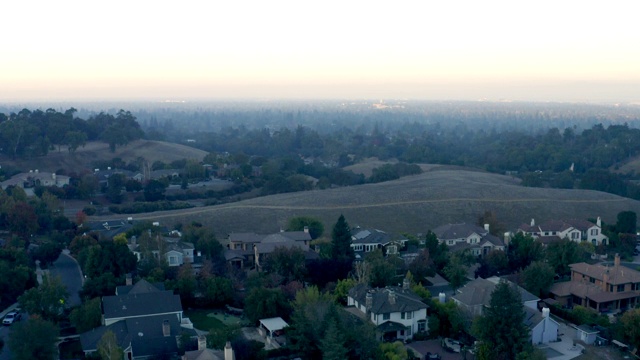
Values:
[(405, 300), (141, 304), (372, 236), (458, 231), (297, 235), (144, 334), (89, 340), (271, 242), (141, 287), (478, 292)]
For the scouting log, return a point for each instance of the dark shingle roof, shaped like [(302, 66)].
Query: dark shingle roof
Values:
[(371, 236), (406, 300), (89, 340), (297, 235), (141, 287), (245, 237), (140, 304), (478, 292)]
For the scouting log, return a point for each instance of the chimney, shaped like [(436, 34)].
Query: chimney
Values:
[(392, 297), (228, 352), (128, 279), (599, 222), (166, 328), (616, 260), (486, 227), (368, 301), (442, 297), (306, 229), (545, 312), (406, 283), (53, 176), (37, 171), (533, 222), (202, 342), (507, 238)]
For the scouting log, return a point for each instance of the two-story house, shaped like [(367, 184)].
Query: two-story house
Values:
[(248, 249), (464, 236), (600, 287), (575, 230), (397, 312), (367, 240), (146, 320), (174, 251)]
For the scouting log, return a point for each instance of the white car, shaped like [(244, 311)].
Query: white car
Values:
[(11, 317)]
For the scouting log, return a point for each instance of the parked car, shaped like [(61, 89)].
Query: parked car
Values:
[(451, 345), (12, 317), (433, 356)]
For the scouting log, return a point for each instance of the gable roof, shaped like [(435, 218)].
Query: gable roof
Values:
[(297, 235), (405, 300), (271, 242), (245, 237), (372, 236), (478, 292), (141, 304), (141, 287), (458, 231)]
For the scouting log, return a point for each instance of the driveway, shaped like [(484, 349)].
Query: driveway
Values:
[(69, 271)]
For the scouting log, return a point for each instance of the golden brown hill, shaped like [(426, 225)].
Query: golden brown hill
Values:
[(412, 204)]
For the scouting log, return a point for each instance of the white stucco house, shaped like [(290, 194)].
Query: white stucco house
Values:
[(397, 312), (575, 230), (543, 328)]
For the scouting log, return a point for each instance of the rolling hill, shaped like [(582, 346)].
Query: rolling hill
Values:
[(412, 204), (95, 151)]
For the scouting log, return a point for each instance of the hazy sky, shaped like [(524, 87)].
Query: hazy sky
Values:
[(522, 50)]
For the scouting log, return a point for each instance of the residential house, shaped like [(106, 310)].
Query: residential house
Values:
[(475, 296), (247, 249), (107, 229), (146, 320), (543, 328), (35, 178), (575, 230), (397, 312), (465, 236), (174, 251), (599, 287), (367, 240)]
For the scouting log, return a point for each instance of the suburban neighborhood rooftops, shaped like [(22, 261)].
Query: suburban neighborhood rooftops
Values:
[(139, 304)]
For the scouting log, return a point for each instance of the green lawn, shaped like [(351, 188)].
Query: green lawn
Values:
[(201, 320)]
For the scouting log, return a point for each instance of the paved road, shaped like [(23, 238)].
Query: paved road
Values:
[(4, 335), (69, 271)]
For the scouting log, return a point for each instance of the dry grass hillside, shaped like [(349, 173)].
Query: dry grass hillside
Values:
[(84, 156), (412, 204)]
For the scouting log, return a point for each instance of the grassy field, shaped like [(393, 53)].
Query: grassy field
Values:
[(149, 150), (412, 204)]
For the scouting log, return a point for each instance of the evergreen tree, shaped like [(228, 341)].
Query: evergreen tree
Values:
[(501, 327), (332, 345), (341, 241)]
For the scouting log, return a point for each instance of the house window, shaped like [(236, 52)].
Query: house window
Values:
[(592, 280), (409, 315), (574, 235), (594, 231), (450, 242), (610, 288), (375, 317), (173, 260), (386, 316), (402, 314), (392, 250), (408, 331), (621, 288), (422, 325)]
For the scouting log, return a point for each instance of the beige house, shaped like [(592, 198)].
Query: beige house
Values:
[(599, 287)]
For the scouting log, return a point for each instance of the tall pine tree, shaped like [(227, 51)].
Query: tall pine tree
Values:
[(341, 249), (501, 329)]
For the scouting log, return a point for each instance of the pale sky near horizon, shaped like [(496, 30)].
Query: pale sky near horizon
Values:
[(453, 50)]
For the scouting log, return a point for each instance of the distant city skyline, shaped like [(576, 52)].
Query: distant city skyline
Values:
[(578, 51)]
